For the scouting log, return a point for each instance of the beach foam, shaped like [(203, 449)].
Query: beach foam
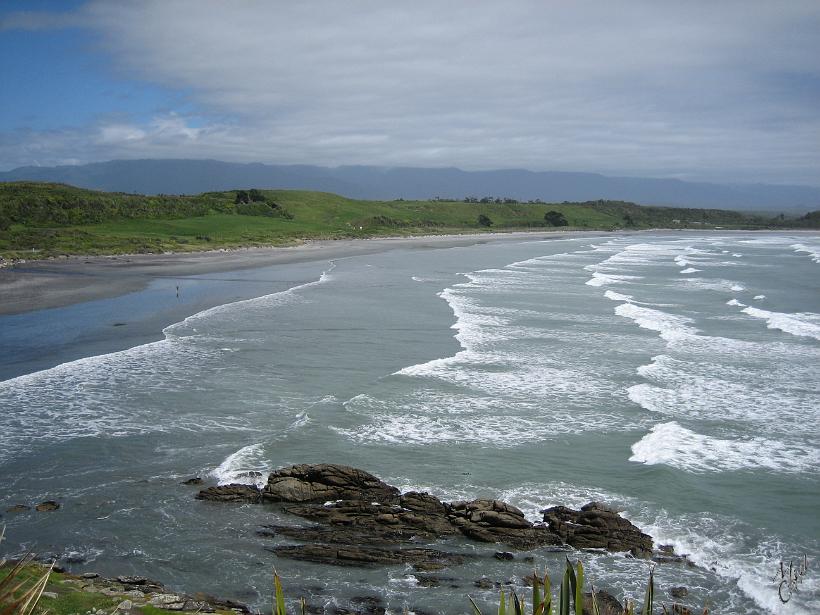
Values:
[(613, 296), (812, 251), (724, 545), (801, 324), (670, 326), (673, 445), (83, 398)]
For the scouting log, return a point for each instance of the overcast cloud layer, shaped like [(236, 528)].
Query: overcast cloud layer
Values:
[(725, 91)]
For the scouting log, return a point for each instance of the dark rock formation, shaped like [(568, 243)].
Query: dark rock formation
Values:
[(666, 555), (679, 592), (354, 555), (231, 493), (324, 482), (607, 604), (495, 521), (18, 508), (132, 580), (368, 605), (193, 481), (47, 506), (596, 526), (359, 519), (484, 583), (412, 516)]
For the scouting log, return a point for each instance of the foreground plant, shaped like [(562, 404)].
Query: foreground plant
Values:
[(279, 597), (20, 591), (570, 596)]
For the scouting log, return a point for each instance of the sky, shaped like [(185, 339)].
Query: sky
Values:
[(712, 91)]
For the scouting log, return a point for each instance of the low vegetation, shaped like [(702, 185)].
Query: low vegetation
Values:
[(39, 220)]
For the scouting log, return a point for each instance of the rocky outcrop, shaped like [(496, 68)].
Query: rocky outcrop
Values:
[(47, 506), (413, 516), (361, 519), (324, 482), (231, 493), (359, 556), (597, 526), (132, 594), (496, 521)]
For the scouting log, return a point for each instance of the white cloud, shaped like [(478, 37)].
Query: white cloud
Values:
[(699, 90)]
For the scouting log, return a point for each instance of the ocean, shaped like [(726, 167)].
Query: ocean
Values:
[(672, 375)]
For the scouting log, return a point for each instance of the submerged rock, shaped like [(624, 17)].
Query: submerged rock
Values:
[(596, 526), (607, 604), (363, 557), (679, 592), (231, 493), (47, 506), (18, 508)]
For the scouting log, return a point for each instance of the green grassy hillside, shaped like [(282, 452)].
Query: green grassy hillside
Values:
[(38, 220)]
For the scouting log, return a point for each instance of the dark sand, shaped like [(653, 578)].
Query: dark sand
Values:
[(60, 282)]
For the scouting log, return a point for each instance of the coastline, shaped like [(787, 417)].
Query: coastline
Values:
[(113, 303), (54, 283), (221, 288)]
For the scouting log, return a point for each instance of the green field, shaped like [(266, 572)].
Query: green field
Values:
[(39, 220)]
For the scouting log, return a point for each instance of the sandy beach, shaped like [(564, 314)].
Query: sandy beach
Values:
[(36, 285)]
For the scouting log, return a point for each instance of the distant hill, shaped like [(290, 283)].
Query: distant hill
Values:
[(175, 176)]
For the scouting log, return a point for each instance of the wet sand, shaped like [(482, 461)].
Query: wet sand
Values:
[(52, 283)]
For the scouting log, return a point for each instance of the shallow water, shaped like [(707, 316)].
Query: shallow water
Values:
[(673, 375)]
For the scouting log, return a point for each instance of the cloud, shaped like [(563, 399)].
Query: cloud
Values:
[(697, 90)]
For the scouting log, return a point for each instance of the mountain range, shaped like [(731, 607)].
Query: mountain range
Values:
[(181, 176)]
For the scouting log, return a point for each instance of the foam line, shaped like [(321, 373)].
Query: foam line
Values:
[(673, 445), (81, 398), (670, 326), (801, 324), (812, 251)]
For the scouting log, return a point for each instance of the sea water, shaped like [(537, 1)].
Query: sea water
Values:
[(674, 376)]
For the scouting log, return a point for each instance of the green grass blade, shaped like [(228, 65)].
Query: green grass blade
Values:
[(502, 604), (570, 571), (595, 608), (563, 596), (579, 590), (537, 603), (547, 594), (279, 594), (650, 595), (476, 610)]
